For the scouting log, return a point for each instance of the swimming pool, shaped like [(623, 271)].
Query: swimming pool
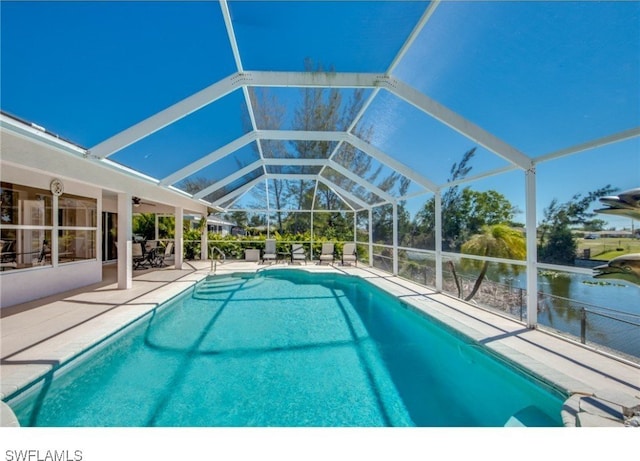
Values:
[(288, 348)]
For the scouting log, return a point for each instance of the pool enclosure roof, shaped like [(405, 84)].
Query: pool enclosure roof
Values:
[(371, 100)]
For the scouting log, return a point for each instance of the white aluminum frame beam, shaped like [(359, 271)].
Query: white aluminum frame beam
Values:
[(290, 177), (301, 135), (391, 163), (310, 79), (229, 179), (294, 162), (405, 47), (210, 158), (341, 192), (355, 142), (414, 35), (289, 210), (458, 123), (611, 139), (166, 117), (315, 197), (532, 249), (244, 79), (226, 14), (358, 143), (238, 191), (438, 242), (487, 174), (360, 181), (400, 89)]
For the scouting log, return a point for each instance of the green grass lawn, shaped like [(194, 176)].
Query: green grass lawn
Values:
[(608, 247)]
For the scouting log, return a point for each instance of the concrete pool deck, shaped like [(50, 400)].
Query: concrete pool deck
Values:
[(38, 336)]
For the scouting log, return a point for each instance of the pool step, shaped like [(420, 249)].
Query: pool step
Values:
[(221, 285), (530, 416), (7, 417)]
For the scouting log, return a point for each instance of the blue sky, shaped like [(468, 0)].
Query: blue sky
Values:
[(540, 76)]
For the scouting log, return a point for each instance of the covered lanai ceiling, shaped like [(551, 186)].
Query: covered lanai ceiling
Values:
[(214, 99)]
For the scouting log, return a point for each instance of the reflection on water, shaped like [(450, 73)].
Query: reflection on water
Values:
[(611, 309)]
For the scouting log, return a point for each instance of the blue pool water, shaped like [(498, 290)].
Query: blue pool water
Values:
[(288, 348)]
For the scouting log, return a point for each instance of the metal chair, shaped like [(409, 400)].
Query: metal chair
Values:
[(298, 253), (137, 255), (327, 253), (349, 254), (269, 253)]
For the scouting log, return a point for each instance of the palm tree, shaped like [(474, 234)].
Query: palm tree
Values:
[(498, 241)]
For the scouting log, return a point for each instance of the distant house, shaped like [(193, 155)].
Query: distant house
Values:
[(216, 225), (615, 234)]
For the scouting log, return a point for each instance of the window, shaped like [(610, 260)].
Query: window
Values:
[(77, 221), (25, 226), (28, 231)]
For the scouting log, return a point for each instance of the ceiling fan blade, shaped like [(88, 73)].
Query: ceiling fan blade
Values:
[(137, 201)]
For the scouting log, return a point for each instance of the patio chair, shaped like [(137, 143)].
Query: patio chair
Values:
[(349, 254), (327, 253), (161, 257), (43, 254), (298, 253), (269, 253), (138, 256), (150, 245), (7, 254)]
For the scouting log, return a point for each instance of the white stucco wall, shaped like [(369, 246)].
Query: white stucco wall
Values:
[(19, 286), (33, 158)]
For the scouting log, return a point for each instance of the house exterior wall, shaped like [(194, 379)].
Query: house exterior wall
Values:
[(33, 158), (27, 284)]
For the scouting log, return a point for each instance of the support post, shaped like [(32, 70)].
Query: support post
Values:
[(532, 249), (355, 226), (204, 241), (438, 239), (100, 238), (179, 236), (125, 257), (311, 247), (54, 235), (370, 237), (395, 238)]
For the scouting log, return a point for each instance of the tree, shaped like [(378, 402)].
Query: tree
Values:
[(144, 224), (595, 225), (194, 185), (324, 110), (557, 245), (498, 241), (560, 246), (483, 208), (425, 219), (240, 218), (464, 212)]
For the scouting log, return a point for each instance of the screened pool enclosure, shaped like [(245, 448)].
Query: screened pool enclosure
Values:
[(412, 128)]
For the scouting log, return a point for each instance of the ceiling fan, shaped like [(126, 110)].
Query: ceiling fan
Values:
[(137, 201)]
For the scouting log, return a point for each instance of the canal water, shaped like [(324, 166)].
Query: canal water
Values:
[(612, 309)]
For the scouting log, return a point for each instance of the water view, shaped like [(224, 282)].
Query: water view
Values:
[(602, 313)]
